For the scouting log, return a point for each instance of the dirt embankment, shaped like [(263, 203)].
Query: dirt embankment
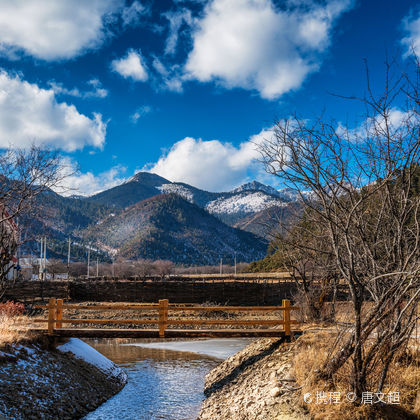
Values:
[(40, 383), (269, 379), (256, 383)]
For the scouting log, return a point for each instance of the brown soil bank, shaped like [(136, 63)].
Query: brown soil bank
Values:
[(255, 383), (38, 383), (268, 380)]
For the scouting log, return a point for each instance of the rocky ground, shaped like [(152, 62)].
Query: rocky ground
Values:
[(256, 383), (41, 383)]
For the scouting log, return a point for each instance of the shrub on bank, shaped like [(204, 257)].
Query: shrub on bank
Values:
[(12, 309), (330, 399)]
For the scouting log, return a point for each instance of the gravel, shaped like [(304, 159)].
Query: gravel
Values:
[(256, 383)]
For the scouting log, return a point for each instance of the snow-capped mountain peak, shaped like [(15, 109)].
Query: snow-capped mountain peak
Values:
[(290, 194), (242, 203), (256, 186)]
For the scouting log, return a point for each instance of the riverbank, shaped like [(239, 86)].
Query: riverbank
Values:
[(256, 383), (269, 379), (65, 382)]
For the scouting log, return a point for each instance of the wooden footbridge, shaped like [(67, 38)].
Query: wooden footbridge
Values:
[(273, 327)]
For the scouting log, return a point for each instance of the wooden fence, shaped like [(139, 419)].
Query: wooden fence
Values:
[(56, 307)]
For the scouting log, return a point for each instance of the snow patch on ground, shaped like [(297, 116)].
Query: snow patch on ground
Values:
[(177, 189), (83, 351)]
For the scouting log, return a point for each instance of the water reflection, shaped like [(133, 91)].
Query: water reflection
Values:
[(162, 384)]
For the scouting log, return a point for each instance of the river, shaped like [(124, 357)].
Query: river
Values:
[(165, 379)]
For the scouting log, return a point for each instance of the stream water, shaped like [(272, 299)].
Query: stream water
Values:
[(165, 379)]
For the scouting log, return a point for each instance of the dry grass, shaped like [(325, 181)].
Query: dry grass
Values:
[(14, 329), (404, 377)]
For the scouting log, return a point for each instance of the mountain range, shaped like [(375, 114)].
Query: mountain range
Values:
[(151, 217)]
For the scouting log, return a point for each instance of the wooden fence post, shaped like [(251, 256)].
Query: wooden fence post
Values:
[(165, 313), (163, 316), (59, 324), (286, 316), (51, 315)]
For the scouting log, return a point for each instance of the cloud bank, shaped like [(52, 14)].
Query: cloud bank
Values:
[(30, 114), (76, 182), (54, 30), (251, 44), (211, 165)]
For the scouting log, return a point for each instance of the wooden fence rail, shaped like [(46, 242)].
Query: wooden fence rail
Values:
[(56, 308)]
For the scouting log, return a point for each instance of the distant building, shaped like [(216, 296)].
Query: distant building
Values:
[(29, 266)]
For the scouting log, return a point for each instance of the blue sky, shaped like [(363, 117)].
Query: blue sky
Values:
[(184, 88)]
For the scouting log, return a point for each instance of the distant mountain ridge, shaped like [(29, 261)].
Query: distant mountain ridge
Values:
[(236, 208), (229, 206), (167, 226), (149, 216)]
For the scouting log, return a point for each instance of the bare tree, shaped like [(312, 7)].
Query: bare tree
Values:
[(303, 250), (163, 267), (24, 175), (124, 268), (143, 267), (362, 189)]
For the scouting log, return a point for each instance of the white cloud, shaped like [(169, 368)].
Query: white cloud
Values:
[(96, 90), (86, 183), (396, 120), (131, 14), (412, 28), (30, 114), (211, 165), (140, 112), (176, 20), (54, 30), (171, 78), (398, 124), (254, 45), (130, 66)]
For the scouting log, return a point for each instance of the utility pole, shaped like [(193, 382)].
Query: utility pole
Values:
[(41, 247), (88, 264), (221, 265), (44, 265), (45, 258), (68, 259), (19, 241), (113, 271), (235, 263), (97, 267)]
